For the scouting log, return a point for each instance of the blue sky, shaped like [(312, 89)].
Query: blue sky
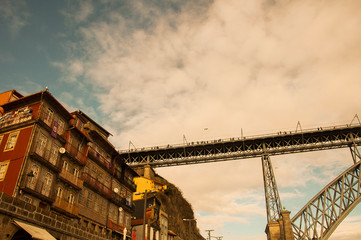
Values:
[(152, 72)]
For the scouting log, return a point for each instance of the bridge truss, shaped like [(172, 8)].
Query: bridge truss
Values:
[(320, 217), (245, 147), (323, 213)]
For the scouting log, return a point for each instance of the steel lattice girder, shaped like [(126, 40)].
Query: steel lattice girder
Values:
[(224, 150), (320, 217), (273, 201)]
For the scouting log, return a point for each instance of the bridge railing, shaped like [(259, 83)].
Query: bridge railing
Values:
[(224, 140)]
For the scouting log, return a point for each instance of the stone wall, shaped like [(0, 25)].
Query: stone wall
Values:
[(60, 227)]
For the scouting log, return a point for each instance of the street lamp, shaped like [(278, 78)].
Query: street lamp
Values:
[(145, 207)]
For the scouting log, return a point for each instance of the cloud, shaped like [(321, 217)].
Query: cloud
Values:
[(15, 14), (252, 67), (348, 229), (79, 12)]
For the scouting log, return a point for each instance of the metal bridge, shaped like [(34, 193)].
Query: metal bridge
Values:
[(320, 217), (245, 147)]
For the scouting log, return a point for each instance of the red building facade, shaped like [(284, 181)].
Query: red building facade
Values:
[(63, 162)]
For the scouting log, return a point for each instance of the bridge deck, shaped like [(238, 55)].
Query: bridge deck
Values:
[(246, 147)]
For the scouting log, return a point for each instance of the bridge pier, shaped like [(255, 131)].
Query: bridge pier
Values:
[(280, 229)]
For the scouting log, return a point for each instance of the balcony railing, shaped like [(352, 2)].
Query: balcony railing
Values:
[(114, 226), (130, 183), (69, 177), (97, 185), (55, 126), (38, 187), (16, 117), (74, 124), (76, 153), (66, 206), (47, 156), (117, 199), (97, 156)]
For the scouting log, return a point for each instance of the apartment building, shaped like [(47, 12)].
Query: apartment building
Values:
[(63, 162)]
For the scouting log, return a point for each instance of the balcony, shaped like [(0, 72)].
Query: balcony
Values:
[(48, 157), (56, 128), (96, 185), (114, 226), (130, 184), (70, 178), (64, 205), (92, 153), (76, 153), (78, 126), (117, 199), (37, 188), (16, 117)]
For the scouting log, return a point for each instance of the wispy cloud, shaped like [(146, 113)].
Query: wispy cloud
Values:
[(77, 12), (15, 14)]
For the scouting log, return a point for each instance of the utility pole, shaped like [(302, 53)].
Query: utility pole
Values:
[(209, 233)]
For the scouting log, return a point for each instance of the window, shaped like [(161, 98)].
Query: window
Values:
[(61, 126), (96, 203), (89, 199), (100, 177), (48, 116), (59, 192), (32, 176), (93, 226), (113, 212), (79, 124), (102, 205), (93, 172), (71, 198), (107, 181), (40, 149), (53, 158), (76, 172), (3, 169), (65, 165), (10, 145), (81, 196), (85, 223), (48, 180)]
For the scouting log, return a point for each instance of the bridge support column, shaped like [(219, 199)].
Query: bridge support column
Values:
[(280, 229), (273, 201)]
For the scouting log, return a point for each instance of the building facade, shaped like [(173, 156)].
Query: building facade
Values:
[(63, 163)]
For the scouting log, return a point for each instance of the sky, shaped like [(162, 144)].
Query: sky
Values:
[(156, 72)]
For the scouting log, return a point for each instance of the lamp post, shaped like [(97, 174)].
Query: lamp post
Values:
[(209, 233)]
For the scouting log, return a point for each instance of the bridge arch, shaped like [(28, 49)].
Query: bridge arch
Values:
[(319, 218)]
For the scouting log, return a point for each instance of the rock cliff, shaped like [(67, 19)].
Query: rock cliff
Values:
[(178, 209)]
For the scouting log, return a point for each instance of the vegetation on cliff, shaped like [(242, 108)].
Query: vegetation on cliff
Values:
[(178, 209)]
